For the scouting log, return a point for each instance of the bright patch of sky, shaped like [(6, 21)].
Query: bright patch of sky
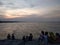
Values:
[(23, 8)]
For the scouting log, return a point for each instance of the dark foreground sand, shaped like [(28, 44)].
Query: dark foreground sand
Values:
[(20, 42)]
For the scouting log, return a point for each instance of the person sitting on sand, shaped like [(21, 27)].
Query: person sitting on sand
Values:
[(30, 37), (8, 37), (23, 38), (57, 37), (13, 37)]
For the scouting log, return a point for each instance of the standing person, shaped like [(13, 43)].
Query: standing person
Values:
[(8, 37), (30, 37), (41, 38), (13, 37), (46, 38)]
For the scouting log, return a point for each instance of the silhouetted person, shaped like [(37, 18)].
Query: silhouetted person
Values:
[(57, 37), (27, 38), (42, 35), (30, 37), (41, 38), (42, 32), (8, 37), (13, 37), (46, 38), (24, 39)]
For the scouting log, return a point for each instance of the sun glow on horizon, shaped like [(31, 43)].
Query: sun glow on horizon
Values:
[(21, 13)]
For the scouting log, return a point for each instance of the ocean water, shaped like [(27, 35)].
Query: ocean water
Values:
[(25, 28)]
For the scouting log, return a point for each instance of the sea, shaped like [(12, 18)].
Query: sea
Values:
[(25, 28)]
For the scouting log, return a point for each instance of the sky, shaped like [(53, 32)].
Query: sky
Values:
[(30, 10)]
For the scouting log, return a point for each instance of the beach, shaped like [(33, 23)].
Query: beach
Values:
[(20, 42)]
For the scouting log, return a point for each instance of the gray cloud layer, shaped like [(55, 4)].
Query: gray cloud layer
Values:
[(53, 15), (38, 4)]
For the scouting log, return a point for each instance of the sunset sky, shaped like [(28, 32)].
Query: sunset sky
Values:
[(30, 10)]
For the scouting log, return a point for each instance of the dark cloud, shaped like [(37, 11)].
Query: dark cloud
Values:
[(11, 3), (52, 14), (1, 3)]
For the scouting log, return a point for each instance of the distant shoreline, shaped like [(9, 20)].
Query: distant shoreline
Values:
[(30, 21), (10, 21)]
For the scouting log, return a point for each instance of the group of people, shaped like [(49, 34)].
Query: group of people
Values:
[(28, 38), (10, 37), (24, 38), (48, 37), (44, 37), (54, 37)]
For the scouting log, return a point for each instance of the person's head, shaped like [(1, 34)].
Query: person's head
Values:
[(30, 34), (46, 33), (42, 32), (57, 34), (9, 34), (13, 34)]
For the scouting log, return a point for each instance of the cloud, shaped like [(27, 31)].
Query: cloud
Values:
[(53, 13), (29, 9), (44, 12), (1, 3), (13, 13), (14, 4)]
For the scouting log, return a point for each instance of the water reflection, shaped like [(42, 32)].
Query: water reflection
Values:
[(20, 29)]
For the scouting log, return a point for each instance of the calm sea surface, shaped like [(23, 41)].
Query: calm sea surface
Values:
[(20, 29)]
